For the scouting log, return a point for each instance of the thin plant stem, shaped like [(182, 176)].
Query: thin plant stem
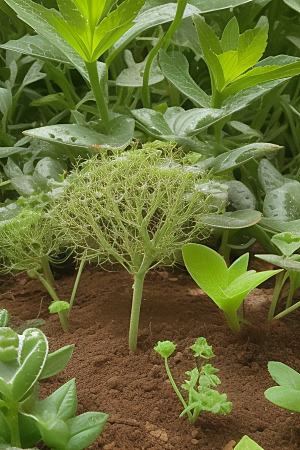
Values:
[(12, 415), (176, 389), (98, 94), (138, 285), (287, 311), (47, 270), (281, 278), (78, 276)]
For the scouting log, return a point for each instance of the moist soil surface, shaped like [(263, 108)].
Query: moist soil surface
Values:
[(133, 388)]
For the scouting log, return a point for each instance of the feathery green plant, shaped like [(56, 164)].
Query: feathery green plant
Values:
[(136, 209)]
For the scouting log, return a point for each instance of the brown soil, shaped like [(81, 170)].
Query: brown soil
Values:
[(133, 388)]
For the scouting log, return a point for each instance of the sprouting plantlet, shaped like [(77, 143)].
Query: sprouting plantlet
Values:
[(29, 242), (227, 287), (24, 421), (288, 243), (139, 215), (247, 444), (201, 384), (233, 59), (287, 394), (87, 26)]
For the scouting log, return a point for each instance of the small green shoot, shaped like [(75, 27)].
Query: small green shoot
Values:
[(247, 444), (24, 420), (227, 287), (288, 243), (287, 394), (201, 384)]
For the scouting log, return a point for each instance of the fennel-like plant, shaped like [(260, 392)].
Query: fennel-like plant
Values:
[(28, 243), (136, 209)]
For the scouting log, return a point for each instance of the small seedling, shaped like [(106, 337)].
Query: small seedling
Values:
[(288, 243), (201, 384), (227, 287), (287, 394), (247, 444), (24, 421)]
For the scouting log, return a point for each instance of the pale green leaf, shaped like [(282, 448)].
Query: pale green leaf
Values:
[(294, 4), (234, 220), (283, 203), (238, 267), (230, 36), (285, 397), (247, 444), (203, 264), (284, 375)]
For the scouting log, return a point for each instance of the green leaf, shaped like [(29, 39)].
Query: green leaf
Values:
[(285, 397), (287, 242), (294, 4), (216, 5), (281, 261), (5, 101), (235, 158), (133, 76), (175, 68), (260, 75), (62, 404), (284, 375), (269, 177), (238, 267), (230, 36), (84, 429), (203, 264), (56, 361), (247, 444), (211, 48), (233, 220), (239, 196), (165, 348), (120, 135), (283, 203)]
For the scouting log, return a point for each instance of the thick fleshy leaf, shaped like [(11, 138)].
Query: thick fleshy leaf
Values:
[(269, 177), (233, 220), (284, 375), (153, 122), (84, 429), (203, 263), (287, 243), (56, 361), (285, 397), (283, 203), (216, 5), (281, 261), (62, 404), (120, 134), (175, 68), (191, 122), (239, 196), (279, 226)]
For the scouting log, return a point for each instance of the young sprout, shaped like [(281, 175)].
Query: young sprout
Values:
[(137, 209), (227, 287), (201, 383)]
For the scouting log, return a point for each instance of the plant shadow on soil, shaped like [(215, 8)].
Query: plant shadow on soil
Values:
[(133, 388)]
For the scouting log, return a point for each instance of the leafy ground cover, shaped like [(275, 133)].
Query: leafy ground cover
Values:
[(134, 389)]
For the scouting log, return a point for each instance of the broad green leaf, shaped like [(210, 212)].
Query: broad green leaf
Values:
[(242, 285), (152, 121), (216, 5), (34, 73), (285, 397), (120, 135), (238, 267), (175, 68), (25, 185), (56, 361), (203, 264), (62, 404), (193, 121), (9, 151), (239, 196), (211, 48), (133, 76), (287, 243), (269, 177), (233, 220), (247, 444), (279, 226), (46, 171), (84, 429), (283, 203), (186, 36), (284, 375), (230, 36)]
